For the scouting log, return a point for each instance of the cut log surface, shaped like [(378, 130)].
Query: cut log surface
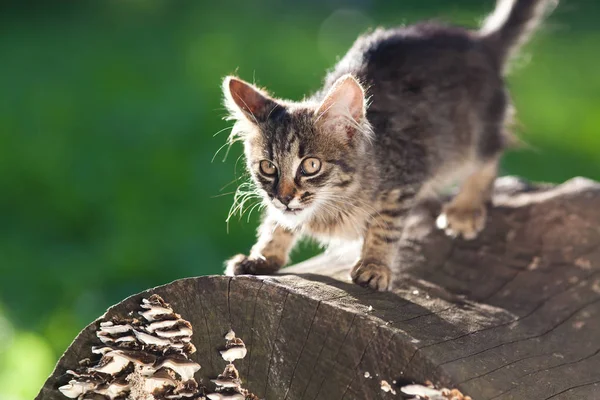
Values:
[(514, 314)]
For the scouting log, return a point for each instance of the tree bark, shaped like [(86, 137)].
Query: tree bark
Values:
[(514, 314)]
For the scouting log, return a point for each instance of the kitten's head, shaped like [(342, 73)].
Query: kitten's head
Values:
[(303, 157)]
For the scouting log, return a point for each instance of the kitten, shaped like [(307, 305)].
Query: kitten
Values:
[(403, 114)]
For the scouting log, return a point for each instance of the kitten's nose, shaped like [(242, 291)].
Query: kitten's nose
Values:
[(285, 199), (285, 192)]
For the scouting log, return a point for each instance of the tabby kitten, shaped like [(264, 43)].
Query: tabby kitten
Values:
[(403, 114)]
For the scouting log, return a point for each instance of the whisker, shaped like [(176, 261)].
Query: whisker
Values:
[(221, 130), (236, 163), (217, 152), (233, 181), (259, 205), (222, 194)]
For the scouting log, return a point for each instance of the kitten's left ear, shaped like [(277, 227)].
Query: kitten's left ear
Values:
[(253, 103), (344, 104)]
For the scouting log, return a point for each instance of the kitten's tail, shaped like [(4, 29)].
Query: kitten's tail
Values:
[(512, 23)]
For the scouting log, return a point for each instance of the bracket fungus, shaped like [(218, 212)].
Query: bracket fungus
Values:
[(141, 359), (428, 391), (228, 383), (235, 349)]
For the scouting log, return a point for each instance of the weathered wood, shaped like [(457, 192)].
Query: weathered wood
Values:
[(512, 315)]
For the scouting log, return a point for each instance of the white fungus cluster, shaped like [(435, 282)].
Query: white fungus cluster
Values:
[(429, 392), (141, 359), (386, 387), (229, 385)]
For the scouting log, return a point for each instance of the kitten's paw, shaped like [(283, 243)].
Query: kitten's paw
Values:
[(372, 275), (245, 265), (458, 220)]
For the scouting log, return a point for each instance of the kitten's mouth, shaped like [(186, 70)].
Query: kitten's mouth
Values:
[(286, 209), (292, 210)]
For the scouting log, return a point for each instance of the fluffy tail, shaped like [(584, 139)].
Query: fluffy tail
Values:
[(512, 23)]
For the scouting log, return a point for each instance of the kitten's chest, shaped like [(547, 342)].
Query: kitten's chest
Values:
[(338, 225)]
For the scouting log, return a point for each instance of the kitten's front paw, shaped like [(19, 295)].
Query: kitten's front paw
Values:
[(245, 265), (458, 220), (372, 275)]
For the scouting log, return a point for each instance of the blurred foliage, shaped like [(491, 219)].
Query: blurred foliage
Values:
[(108, 116)]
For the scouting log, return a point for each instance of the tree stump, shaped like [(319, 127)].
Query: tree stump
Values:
[(514, 314)]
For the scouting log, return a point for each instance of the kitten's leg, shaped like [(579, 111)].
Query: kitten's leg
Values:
[(380, 247), (268, 255), (466, 214)]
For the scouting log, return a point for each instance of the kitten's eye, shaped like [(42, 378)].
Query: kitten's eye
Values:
[(267, 168), (310, 166)]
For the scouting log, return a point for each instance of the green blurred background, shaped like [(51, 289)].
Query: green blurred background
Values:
[(108, 116)]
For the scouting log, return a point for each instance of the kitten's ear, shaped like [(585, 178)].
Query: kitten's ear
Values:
[(344, 104), (243, 97)]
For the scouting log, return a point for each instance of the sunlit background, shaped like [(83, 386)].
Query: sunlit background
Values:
[(109, 114)]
